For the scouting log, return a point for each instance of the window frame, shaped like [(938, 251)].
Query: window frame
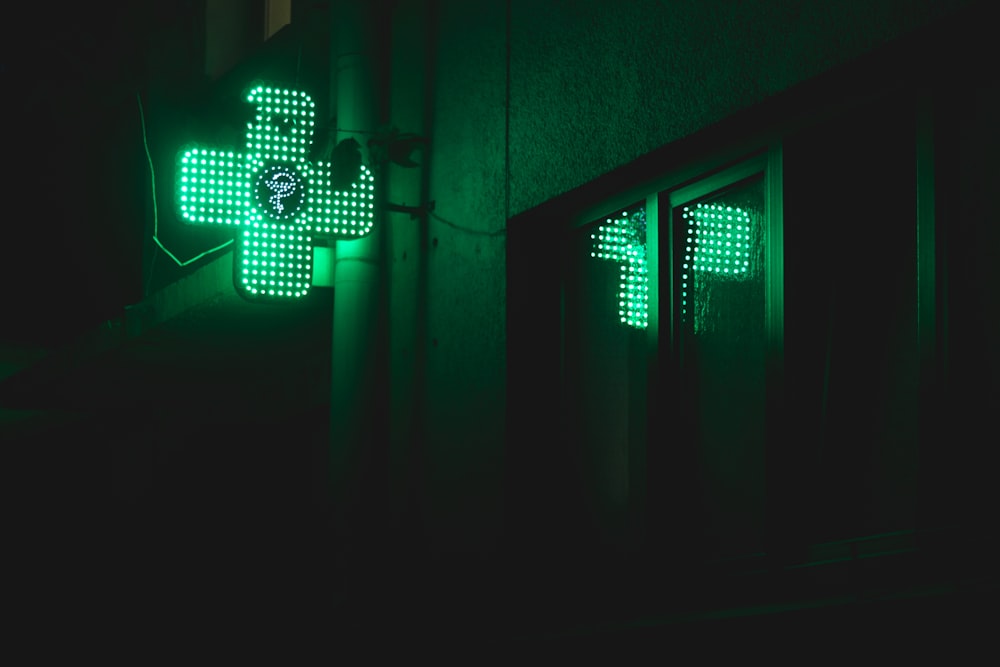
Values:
[(662, 349)]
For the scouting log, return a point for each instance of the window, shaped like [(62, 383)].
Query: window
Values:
[(701, 255), (235, 28), (851, 357), (726, 305), (277, 14), (606, 312)]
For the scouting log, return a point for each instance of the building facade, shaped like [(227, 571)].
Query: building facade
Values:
[(485, 393)]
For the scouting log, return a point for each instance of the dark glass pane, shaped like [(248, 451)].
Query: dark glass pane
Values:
[(850, 323), (720, 277), (605, 309)]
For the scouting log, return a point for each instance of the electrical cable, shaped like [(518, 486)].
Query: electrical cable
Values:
[(156, 217), (467, 230)]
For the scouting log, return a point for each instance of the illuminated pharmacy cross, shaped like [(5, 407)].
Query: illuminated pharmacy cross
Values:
[(279, 201), (623, 240)]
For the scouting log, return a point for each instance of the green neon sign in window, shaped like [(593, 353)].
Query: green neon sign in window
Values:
[(278, 200), (623, 240)]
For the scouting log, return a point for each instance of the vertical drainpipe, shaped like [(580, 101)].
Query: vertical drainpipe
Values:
[(357, 420)]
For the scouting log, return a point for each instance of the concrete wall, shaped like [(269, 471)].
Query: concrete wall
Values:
[(465, 368)]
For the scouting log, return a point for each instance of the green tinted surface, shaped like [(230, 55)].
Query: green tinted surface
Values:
[(722, 370), (280, 201), (722, 244), (623, 240), (719, 237)]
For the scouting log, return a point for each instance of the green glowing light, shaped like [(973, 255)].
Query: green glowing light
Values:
[(717, 240), (280, 200), (623, 240), (719, 244)]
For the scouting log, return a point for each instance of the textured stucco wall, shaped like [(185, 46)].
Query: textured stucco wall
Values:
[(596, 84)]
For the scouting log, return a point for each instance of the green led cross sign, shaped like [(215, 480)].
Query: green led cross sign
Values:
[(278, 201), (623, 240)]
